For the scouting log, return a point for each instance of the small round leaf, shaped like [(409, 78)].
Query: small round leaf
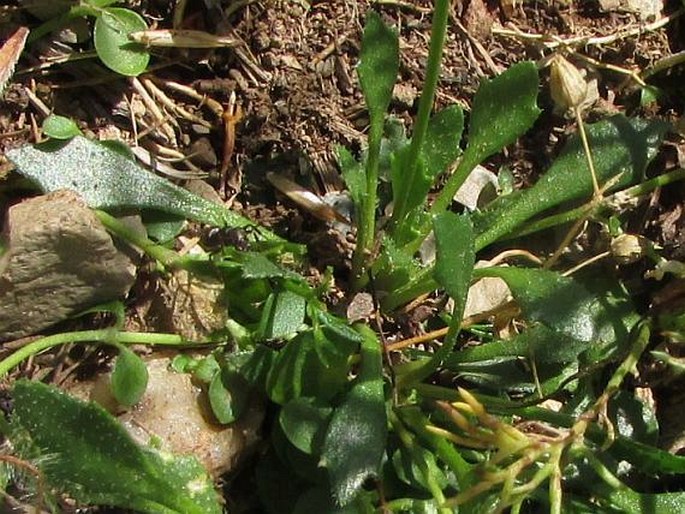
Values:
[(129, 377), (112, 44), (228, 394), (60, 127)]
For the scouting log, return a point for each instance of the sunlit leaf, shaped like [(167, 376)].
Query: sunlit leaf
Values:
[(503, 109), (378, 64), (356, 437), (90, 456), (60, 127), (283, 316), (621, 149), (112, 44), (106, 179)]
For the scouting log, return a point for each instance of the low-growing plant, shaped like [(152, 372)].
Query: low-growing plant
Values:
[(356, 429), (110, 33)]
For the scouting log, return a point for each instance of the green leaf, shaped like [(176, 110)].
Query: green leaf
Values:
[(107, 180), (620, 147), (356, 437), (455, 259), (129, 377), (257, 265), (503, 109), (304, 423), (647, 458), (60, 127), (416, 466), (378, 65), (112, 44), (162, 227), (455, 255), (228, 395), (353, 175), (632, 502), (283, 316), (568, 305), (297, 370), (441, 146), (91, 457), (439, 150)]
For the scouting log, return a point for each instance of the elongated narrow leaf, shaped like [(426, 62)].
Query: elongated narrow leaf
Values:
[(441, 146), (621, 147), (89, 455), (107, 180), (568, 305), (503, 109), (356, 437), (455, 255), (632, 502), (378, 64), (439, 150), (353, 175), (453, 269)]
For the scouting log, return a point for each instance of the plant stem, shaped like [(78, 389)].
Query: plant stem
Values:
[(105, 335), (588, 154), (437, 43), (617, 197), (168, 258), (367, 222)]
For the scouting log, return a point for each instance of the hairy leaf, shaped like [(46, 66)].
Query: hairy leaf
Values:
[(356, 437), (90, 456), (108, 180), (378, 65), (503, 109), (621, 148)]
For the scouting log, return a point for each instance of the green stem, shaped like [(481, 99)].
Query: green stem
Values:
[(367, 222), (424, 282), (168, 258), (437, 43), (617, 197), (106, 335)]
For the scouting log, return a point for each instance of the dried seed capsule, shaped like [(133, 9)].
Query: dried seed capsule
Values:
[(567, 84), (628, 248)]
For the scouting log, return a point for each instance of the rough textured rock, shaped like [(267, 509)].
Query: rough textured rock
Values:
[(60, 260), (176, 413)]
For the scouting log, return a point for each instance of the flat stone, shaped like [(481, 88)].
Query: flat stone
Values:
[(60, 261), (174, 414)]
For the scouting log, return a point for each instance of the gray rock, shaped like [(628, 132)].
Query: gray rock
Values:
[(60, 260)]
